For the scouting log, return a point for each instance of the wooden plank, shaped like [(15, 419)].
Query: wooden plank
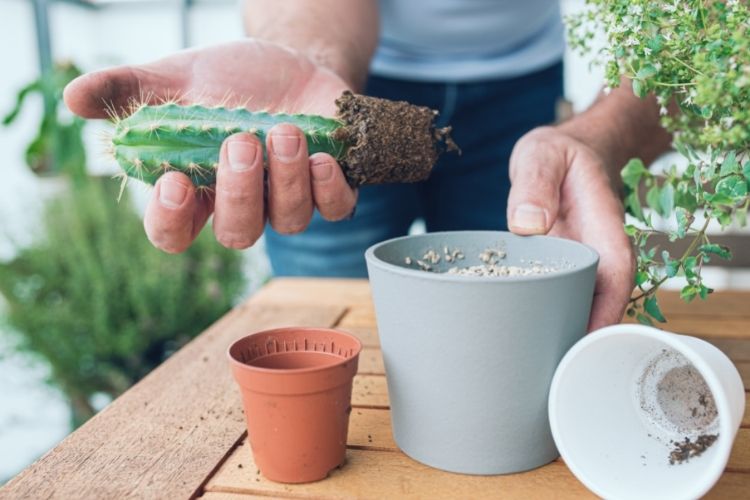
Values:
[(706, 326), (237, 496), (370, 391), (165, 436), (359, 316), (731, 485), (735, 349), (376, 474), (371, 429), (739, 460), (746, 415), (318, 291), (726, 304), (368, 335), (744, 368), (371, 362)]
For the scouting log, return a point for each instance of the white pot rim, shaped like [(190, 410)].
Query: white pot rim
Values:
[(712, 470)]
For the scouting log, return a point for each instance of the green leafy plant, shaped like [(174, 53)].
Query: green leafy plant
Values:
[(91, 296), (695, 55), (100, 304), (58, 145)]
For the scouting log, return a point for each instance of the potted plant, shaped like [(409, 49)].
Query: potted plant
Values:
[(693, 56), (58, 145)]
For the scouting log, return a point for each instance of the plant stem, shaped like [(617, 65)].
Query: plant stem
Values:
[(699, 236)]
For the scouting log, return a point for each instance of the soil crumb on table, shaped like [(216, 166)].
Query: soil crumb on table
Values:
[(688, 449), (491, 265)]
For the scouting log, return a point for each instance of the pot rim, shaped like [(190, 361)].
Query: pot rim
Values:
[(295, 371), (712, 471), (588, 261)]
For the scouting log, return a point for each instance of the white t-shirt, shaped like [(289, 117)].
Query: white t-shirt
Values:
[(465, 40)]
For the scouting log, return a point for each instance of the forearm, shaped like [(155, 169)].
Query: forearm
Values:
[(340, 35), (620, 126)]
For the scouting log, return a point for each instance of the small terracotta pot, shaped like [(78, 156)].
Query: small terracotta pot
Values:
[(296, 390)]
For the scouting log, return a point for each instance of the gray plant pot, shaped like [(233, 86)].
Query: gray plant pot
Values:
[(469, 360)]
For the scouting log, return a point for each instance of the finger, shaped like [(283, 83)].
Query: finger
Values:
[(239, 212), (102, 93), (537, 172), (614, 284), (290, 203), (333, 197), (175, 214)]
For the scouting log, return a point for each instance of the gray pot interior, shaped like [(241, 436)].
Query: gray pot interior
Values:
[(565, 255)]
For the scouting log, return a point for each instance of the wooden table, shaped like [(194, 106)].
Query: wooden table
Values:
[(180, 432)]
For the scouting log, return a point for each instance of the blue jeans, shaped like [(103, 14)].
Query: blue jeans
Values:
[(469, 191)]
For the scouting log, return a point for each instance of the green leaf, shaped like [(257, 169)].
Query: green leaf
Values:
[(651, 305), (719, 199), (652, 199), (684, 219), (630, 230), (633, 205), (689, 266), (734, 187), (644, 320), (641, 277), (632, 172), (688, 293), (715, 249), (746, 170), (703, 291), (672, 268), (666, 200), (639, 88), (730, 165), (646, 72)]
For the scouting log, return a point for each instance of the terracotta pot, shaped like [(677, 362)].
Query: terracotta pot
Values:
[(296, 390)]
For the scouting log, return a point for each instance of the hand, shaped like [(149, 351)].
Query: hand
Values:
[(260, 75), (560, 187)]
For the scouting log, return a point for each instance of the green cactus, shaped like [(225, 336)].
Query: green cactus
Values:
[(374, 140)]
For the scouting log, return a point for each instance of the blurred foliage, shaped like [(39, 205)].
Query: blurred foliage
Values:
[(58, 145), (91, 295), (100, 303)]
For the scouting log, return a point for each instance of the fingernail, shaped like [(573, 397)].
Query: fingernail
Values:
[(321, 170), (241, 155), (285, 147), (172, 194), (530, 217)]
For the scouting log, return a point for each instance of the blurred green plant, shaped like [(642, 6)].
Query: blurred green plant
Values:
[(101, 304), (58, 145), (692, 55), (91, 295)]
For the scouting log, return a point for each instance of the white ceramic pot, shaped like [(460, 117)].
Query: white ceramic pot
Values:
[(623, 395)]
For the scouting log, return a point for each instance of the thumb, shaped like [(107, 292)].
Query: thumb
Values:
[(537, 171), (97, 94)]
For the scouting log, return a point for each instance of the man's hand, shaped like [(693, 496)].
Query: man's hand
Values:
[(560, 187), (251, 73)]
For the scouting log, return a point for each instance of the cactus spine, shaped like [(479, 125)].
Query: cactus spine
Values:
[(157, 139)]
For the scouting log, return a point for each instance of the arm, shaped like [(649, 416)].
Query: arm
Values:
[(339, 35), (619, 126)]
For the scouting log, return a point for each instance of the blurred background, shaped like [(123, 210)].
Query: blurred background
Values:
[(87, 306)]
